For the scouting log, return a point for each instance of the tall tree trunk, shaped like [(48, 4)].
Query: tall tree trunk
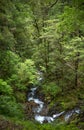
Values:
[(46, 46), (76, 69)]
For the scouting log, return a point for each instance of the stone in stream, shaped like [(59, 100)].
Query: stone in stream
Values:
[(70, 113), (37, 109), (29, 106)]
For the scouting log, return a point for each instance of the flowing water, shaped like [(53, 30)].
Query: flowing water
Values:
[(38, 109), (41, 105)]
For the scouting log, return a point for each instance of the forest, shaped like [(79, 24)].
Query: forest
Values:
[(41, 64)]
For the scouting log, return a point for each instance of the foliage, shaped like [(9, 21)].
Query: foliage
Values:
[(8, 104), (25, 75), (51, 90), (25, 125), (59, 126), (9, 107), (5, 89), (46, 34), (8, 63), (27, 71)]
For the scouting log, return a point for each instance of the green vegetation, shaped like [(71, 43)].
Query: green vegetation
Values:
[(46, 36), (28, 125), (51, 90)]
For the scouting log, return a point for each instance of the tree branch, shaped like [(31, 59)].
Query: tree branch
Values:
[(53, 4)]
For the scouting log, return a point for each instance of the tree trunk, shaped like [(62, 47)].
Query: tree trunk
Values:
[(76, 69)]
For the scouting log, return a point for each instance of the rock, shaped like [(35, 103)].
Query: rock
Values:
[(29, 106), (44, 111), (40, 94)]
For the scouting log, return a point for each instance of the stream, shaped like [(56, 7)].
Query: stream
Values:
[(39, 109)]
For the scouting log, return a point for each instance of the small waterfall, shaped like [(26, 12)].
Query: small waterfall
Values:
[(38, 109)]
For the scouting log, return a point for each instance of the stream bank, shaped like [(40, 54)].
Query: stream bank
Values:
[(39, 110)]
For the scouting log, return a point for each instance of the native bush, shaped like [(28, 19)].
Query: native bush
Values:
[(51, 89), (9, 107), (5, 88)]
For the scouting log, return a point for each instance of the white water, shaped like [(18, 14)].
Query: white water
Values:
[(37, 110), (70, 113), (39, 118), (57, 115), (42, 119)]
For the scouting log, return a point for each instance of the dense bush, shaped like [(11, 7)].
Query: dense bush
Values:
[(29, 125), (8, 104), (60, 126), (8, 62), (5, 88), (9, 107), (51, 89), (25, 75), (27, 72)]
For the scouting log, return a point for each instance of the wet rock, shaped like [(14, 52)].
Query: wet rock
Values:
[(40, 94), (44, 111), (29, 106)]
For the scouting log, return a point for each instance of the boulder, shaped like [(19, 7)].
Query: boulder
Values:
[(29, 109)]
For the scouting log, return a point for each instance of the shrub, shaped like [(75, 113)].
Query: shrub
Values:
[(27, 71), (5, 88), (9, 107), (25, 75), (8, 63), (51, 89)]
